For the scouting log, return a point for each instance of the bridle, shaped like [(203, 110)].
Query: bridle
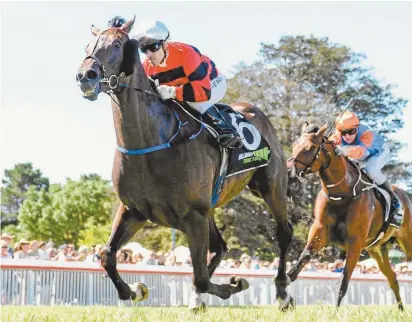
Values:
[(308, 166), (113, 81)]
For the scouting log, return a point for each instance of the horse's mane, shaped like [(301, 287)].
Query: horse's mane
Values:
[(311, 128), (129, 57)]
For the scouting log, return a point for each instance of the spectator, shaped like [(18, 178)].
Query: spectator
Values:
[(160, 258), (121, 257), (63, 254), (34, 249), (265, 265), (151, 260), (9, 240), (42, 251), (338, 264), (275, 264), (4, 250), (22, 249), (247, 263), (51, 253), (91, 256), (98, 250), (82, 253)]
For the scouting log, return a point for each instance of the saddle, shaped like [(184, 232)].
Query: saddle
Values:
[(254, 153), (385, 200)]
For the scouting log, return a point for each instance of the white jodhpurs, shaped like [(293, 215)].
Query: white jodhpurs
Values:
[(375, 163), (218, 91)]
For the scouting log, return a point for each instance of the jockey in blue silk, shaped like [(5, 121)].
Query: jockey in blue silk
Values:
[(358, 142)]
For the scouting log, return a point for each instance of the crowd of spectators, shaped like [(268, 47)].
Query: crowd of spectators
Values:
[(179, 256)]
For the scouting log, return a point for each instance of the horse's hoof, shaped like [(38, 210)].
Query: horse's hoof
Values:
[(140, 292), (198, 309), (236, 281), (196, 304), (286, 304)]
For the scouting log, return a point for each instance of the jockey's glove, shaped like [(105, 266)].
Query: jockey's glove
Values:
[(340, 150), (166, 92)]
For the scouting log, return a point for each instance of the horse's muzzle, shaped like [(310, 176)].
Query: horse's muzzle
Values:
[(88, 79)]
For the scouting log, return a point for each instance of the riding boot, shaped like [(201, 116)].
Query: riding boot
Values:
[(227, 136), (395, 216)]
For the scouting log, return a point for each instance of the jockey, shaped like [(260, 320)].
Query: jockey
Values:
[(358, 142), (186, 75)]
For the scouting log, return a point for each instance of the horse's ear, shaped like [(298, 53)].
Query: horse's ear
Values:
[(127, 27), (95, 31), (304, 126), (322, 131)]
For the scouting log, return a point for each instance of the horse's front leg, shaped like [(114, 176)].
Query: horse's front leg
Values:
[(357, 227), (126, 224), (317, 239), (196, 228)]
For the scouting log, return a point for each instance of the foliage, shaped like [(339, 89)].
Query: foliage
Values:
[(62, 213), (310, 79), (15, 184)]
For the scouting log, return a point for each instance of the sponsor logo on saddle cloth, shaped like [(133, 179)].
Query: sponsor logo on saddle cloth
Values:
[(255, 152)]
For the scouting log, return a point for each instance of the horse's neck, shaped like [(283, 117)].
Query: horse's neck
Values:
[(339, 177), (141, 120)]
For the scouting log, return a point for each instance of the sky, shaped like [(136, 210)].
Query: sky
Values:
[(45, 120)]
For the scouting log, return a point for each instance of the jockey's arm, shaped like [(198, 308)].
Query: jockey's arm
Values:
[(199, 88), (335, 138), (363, 150)]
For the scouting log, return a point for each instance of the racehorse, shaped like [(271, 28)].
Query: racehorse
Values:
[(173, 186), (347, 210)]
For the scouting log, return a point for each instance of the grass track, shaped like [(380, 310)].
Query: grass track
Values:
[(313, 313)]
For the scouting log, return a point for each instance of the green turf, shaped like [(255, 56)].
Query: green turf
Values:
[(315, 313)]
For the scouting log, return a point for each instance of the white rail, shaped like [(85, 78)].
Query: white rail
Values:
[(77, 283)]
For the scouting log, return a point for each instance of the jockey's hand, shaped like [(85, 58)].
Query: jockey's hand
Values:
[(166, 92), (340, 150)]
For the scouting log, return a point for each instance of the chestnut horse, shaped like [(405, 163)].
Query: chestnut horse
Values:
[(347, 212), (173, 186)]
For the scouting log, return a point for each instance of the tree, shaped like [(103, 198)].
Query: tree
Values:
[(310, 79), (15, 184), (64, 212)]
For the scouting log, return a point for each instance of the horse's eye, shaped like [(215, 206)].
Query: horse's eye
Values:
[(118, 45)]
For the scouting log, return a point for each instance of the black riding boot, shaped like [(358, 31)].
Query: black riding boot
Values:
[(395, 216), (227, 137)]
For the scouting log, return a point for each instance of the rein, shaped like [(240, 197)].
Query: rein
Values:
[(367, 185), (309, 165), (114, 78)]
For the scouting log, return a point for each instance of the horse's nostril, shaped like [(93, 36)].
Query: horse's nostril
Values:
[(91, 74), (79, 76)]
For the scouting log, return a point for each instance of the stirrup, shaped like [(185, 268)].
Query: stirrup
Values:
[(230, 140)]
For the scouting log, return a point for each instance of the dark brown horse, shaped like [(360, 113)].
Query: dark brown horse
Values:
[(173, 187), (346, 214)]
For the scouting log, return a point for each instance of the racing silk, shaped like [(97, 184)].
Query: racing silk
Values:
[(367, 143), (186, 69)]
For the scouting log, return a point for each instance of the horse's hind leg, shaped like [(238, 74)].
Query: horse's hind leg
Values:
[(274, 193), (382, 258), (126, 224), (196, 228)]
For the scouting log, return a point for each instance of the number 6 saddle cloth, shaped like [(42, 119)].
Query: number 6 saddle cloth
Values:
[(255, 152)]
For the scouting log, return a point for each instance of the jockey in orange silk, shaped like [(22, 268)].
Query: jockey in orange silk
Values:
[(358, 142), (186, 75)]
